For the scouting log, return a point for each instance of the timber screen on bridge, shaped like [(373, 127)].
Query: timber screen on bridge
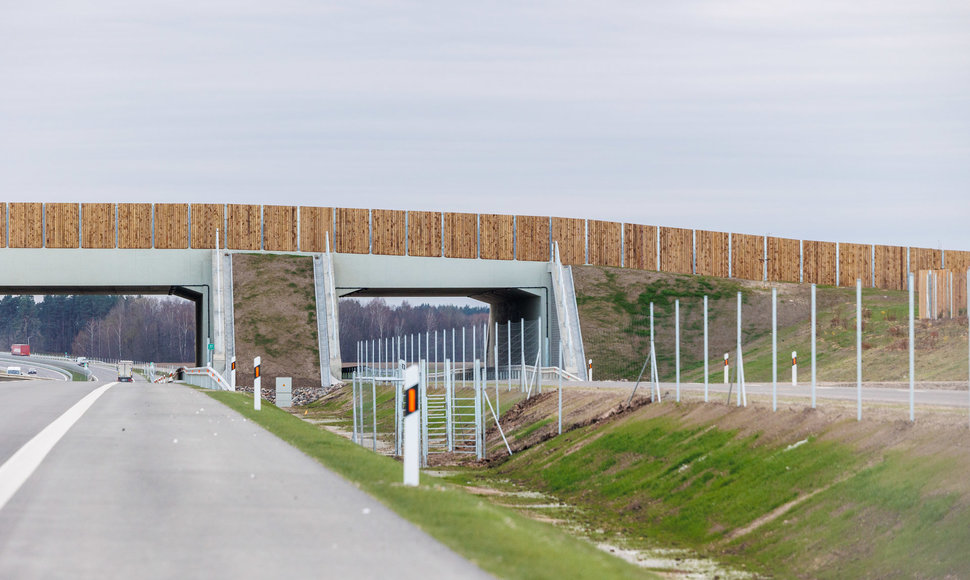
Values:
[(466, 235)]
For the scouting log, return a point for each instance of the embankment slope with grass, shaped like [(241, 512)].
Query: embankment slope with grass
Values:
[(800, 493), (275, 318)]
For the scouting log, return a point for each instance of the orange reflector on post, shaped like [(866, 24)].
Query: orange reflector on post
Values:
[(411, 401), (256, 372)]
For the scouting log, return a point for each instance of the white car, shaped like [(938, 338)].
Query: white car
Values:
[(14, 371)]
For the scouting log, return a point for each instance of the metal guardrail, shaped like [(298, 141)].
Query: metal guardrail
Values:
[(205, 377)]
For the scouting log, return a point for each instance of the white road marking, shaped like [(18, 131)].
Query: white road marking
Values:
[(28, 458)]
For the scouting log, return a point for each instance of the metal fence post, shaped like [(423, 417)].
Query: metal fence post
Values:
[(912, 361), (814, 325), (858, 347), (774, 349), (705, 350), (677, 345), (479, 419), (448, 403)]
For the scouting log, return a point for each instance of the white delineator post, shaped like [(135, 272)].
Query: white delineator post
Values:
[(727, 369), (589, 368), (257, 385), (412, 426), (232, 374), (794, 368)]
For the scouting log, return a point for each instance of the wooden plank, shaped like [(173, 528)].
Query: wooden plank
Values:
[(747, 256), (26, 225), (243, 223), (206, 218), (712, 253), (640, 246), (171, 226), (424, 233), (532, 238), (61, 225), (3, 225), (353, 230), (605, 243), (460, 235), (890, 268), (855, 263), (784, 260), (925, 259), (316, 227), (677, 250), (388, 227), (135, 225), (498, 235), (280, 228), (97, 225), (957, 261), (818, 262), (570, 233)]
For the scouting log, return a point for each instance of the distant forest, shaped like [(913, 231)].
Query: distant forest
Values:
[(376, 319), (163, 330), (112, 327)]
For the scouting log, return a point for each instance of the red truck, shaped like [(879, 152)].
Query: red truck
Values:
[(20, 349)]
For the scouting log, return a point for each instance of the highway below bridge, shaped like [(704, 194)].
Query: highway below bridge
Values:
[(161, 481)]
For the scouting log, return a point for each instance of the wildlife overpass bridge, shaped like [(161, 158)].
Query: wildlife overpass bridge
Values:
[(507, 261)]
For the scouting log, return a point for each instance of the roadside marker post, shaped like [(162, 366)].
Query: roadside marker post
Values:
[(794, 368), (727, 369), (232, 373), (257, 384), (412, 426)]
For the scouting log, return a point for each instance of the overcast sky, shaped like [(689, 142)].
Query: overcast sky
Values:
[(832, 120)]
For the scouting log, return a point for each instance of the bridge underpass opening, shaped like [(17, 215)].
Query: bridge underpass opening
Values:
[(449, 324), (144, 324)]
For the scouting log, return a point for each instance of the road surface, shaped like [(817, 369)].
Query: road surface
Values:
[(160, 481)]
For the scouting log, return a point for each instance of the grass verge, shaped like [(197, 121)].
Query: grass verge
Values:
[(497, 539)]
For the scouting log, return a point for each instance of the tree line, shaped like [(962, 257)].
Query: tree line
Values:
[(101, 326)]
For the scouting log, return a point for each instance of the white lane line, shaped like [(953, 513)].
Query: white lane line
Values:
[(28, 458)]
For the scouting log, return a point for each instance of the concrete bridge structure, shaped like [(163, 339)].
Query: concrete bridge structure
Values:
[(514, 263)]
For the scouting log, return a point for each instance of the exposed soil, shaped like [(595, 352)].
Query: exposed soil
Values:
[(275, 318)]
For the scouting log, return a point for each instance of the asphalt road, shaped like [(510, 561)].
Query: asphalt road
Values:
[(160, 481)]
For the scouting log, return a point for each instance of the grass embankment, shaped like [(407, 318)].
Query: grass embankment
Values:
[(497, 539), (614, 311), (872, 500)]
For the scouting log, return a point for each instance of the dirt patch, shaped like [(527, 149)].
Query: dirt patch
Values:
[(275, 318)]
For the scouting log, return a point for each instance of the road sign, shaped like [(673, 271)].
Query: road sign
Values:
[(212, 346)]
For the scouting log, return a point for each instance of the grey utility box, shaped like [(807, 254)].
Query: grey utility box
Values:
[(284, 391)]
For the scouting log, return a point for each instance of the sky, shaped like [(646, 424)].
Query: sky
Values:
[(826, 120)]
